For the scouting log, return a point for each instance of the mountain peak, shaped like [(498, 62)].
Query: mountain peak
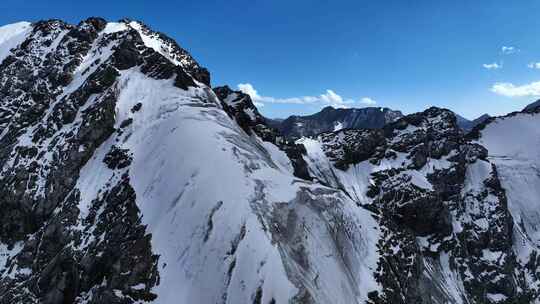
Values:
[(532, 106), (330, 119)]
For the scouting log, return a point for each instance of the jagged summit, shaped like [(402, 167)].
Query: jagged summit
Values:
[(330, 119), (88, 30)]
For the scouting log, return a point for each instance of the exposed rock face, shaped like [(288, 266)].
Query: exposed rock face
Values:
[(532, 106), (447, 230), (512, 143), (240, 107), (125, 178), (331, 119)]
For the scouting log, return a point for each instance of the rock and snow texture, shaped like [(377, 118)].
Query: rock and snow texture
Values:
[(126, 178), (11, 36), (512, 142), (446, 230), (331, 119)]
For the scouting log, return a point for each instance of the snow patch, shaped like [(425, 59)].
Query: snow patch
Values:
[(11, 36), (113, 27)]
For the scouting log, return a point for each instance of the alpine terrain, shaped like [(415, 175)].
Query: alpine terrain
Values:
[(125, 177), (332, 119)]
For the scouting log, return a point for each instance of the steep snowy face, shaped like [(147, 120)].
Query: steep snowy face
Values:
[(512, 142), (11, 36), (125, 179), (240, 107), (62, 239), (446, 229)]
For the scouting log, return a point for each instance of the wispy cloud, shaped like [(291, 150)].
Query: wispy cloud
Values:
[(368, 101), (507, 50), (492, 66), (534, 65), (328, 98), (511, 90)]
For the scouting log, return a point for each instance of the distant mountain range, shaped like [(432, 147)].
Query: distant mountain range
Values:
[(467, 125), (332, 119)]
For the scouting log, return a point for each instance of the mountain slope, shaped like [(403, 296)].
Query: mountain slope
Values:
[(447, 231), (513, 142), (125, 179)]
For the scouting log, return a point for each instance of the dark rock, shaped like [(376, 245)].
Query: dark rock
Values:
[(136, 108), (240, 108), (117, 158)]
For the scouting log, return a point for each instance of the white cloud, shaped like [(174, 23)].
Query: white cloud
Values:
[(334, 99), (492, 66), (511, 90), (247, 88), (368, 101), (329, 98), (509, 50), (534, 65)]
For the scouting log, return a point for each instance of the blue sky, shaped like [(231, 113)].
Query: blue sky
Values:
[(302, 55)]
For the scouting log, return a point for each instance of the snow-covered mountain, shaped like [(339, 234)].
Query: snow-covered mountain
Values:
[(332, 119), (126, 178)]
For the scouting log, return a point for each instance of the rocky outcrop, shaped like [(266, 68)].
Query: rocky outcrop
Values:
[(240, 107), (447, 230)]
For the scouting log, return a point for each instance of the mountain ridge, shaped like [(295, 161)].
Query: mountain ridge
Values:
[(330, 118), (333, 119)]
